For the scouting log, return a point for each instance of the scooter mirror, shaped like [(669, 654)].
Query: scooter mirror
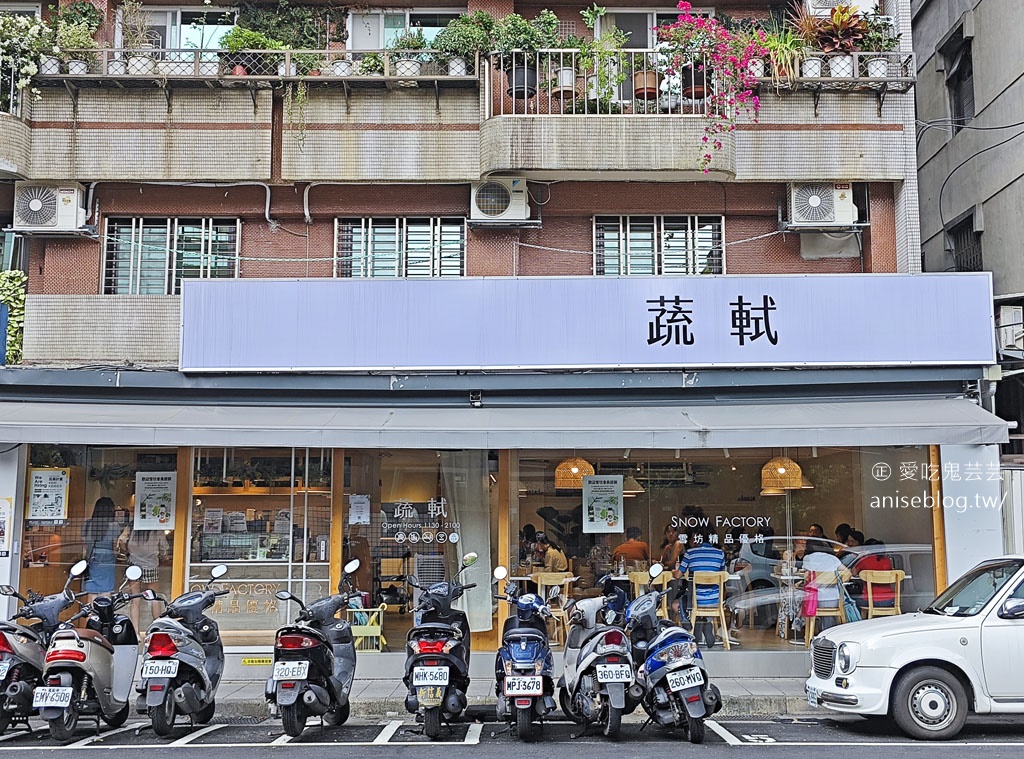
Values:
[(352, 567), (413, 581), (79, 568), (655, 571), (133, 573), (554, 593), (500, 573), (69, 594), (218, 571), (149, 594), (283, 595), (470, 559), (7, 590)]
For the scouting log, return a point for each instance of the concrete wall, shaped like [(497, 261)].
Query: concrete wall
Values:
[(15, 146)]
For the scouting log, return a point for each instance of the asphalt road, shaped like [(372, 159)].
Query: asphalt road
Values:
[(251, 739)]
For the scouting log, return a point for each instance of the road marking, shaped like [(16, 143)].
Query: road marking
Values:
[(197, 734), (473, 734), (388, 732), (278, 741), (94, 738), (17, 734), (722, 733)]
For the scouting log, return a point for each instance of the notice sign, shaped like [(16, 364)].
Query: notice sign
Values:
[(359, 509), (602, 503), (154, 500), (428, 523), (48, 494)]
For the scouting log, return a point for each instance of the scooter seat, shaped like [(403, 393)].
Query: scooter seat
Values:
[(85, 634), (523, 632)]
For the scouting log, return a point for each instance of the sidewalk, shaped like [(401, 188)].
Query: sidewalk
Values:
[(382, 699)]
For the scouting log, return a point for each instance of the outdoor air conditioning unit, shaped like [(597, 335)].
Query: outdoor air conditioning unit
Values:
[(822, 204), (498, 200), (40, 207), (1011, 329), (824, 7)]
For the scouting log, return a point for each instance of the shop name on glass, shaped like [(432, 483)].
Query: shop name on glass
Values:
[(672, 321)]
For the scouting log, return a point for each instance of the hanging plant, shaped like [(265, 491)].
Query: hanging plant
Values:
[(24, 40), (705, 44), (108, 474)]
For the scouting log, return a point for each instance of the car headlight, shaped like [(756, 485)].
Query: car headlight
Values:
[(847, 656)]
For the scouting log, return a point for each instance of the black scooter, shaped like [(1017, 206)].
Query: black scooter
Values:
[(437, 663)]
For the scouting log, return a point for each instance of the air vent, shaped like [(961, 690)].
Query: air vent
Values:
[(822, 204), (500, 200), (48, 207)]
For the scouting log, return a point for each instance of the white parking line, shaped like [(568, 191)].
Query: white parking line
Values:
[(722, 733), (197, 734), (388, 732), (16, 734), (473, 734), (94, 738)]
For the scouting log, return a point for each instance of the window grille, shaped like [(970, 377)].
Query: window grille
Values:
[(638, 245), (400, 247)]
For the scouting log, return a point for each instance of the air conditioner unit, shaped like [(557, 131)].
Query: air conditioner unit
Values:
[(502, 199), (824, 7), (822, 204), (48, 207), (1010, 333)]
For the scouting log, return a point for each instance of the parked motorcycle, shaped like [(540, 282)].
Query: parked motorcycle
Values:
[(183, 660), (676, 688), (597, 685), (23, 647), (524, 665), (89, 672), (314, 661), (438, 645)]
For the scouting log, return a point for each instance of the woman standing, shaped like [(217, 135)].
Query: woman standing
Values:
[(144, 549), (99, 533)]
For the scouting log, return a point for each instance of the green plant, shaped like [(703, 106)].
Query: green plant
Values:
[(76, 42), (135, 31), (77, 12), (24, 40), (239, 39), (881, 36), (307, 62), (298, 26), (585, 105), (513, 37), (296, 96), (842, 31), (403, 45), (371, 63), (12, 295), (805, 25), (785, 52), (464, 36)]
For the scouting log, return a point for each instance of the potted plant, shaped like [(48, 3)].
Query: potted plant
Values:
[(600, 60), (516, 42), (246, 51), (807, 28), (24, 41), (841, 34), (403, 52), (785, 52), (137, 38), (77, 46), (880, 37), (341, 65), (371, 64), (461, 41)]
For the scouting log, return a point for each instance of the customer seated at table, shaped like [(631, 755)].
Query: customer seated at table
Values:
[(671, 548), (552, 559), (818, 557), (633, 549), (882, 595), (703, 557)]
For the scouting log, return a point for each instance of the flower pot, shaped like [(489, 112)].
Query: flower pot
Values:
[(563, 83), (811, 68), (458, 67), (669, 103), (117, 68), (141, 65), (694, 82), (840, 67), (407, 67), (287, 69), (49, 65), (878, 68), (645, 85), (341, 67), (756, 67), (78, 67), (239, 70), (522, 82)]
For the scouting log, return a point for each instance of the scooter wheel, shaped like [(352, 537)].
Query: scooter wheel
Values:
[(117, 718), (338, 715), (566, 707), (614, 723), (524, 724), (432, 723), (62, 729), (695, 727), (293, 717), (163, 717), (205, 714)]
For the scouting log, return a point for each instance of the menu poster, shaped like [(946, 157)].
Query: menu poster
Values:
[(6, 510), (154, 500), (213, 520), (602, 504), (359, 509), (48, 494)]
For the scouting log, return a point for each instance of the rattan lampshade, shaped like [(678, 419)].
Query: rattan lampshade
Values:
[(781, 472), (569, 474)]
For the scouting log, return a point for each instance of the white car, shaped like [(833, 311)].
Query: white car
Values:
[(927, 670)]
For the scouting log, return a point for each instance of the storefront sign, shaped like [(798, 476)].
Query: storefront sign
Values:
[(154, 500), (430, 522), (359, 509), (602, 504), (48, 494), (480, 323)]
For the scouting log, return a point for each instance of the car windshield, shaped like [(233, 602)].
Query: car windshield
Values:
[(969, 595)]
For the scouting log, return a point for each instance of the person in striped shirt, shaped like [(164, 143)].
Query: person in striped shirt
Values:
[(703, 557)]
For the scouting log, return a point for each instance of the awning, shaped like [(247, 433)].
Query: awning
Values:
[(853, 423)]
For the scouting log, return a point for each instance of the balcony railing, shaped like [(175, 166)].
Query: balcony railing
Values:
[(640, 83)]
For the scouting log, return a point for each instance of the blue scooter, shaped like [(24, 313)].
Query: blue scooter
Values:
[(524, 665)]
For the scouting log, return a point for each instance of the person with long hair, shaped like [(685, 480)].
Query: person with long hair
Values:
[(99, 533)]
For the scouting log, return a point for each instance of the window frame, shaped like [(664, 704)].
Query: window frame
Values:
[(373, 262), (408, 13), (167, 21), (971, 253), (657, 249), (652, 20)]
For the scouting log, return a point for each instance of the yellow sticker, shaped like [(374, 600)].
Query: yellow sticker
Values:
[(257, 661)]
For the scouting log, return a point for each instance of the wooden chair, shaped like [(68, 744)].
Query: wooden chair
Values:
[(890, 577), (716, 611), (563, 581), (368, 628), (825, 580)]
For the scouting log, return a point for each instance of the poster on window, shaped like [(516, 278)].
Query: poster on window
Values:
[(48, 494), (359, 509), (602, 504), (6, 511), (213, 520), (154, 500)]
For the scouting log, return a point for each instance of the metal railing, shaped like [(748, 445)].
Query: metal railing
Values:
[(861, 71), (10, 95)]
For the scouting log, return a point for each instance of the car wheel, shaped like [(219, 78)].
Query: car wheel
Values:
[(930, 703)]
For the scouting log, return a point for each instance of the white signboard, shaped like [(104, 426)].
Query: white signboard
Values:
[(359, 509), (602, 503), (48, 494), (154, 500)]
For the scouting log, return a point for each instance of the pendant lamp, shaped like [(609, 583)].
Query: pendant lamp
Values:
[(781, 472), (569, 473)]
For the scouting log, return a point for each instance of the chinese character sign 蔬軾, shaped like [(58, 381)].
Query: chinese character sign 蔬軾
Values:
[(672, 321), (427, 522)]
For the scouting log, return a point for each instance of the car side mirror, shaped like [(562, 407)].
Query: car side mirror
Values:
[(1012, 608)]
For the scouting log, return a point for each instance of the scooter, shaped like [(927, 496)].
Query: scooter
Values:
[(89, 672), (597, 685), (524, 665), (676, 687), (23, 647), (438, 648), (183, 660), (314, 661)]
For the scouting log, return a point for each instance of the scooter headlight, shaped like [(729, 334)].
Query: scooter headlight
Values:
[(677, 651)]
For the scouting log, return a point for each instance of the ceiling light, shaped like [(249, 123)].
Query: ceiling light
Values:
[(781, 472), (569, 473), (631, 487)]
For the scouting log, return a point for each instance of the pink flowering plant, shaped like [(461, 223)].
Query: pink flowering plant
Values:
[(703, 43)]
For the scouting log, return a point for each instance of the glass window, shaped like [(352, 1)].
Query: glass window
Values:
[(400, 247), (150, 256), (639, 245), (969, 595), (369, 33)]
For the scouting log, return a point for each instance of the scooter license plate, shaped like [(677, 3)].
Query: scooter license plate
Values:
[(161, 668), (291, 670), (5, 667), (691, 677), (430, 695), (55, 697), (429, 676), (614, 673), (524, 686)]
